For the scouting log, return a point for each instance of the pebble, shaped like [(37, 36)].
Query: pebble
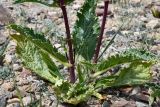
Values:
[(14, 105), (51, 13), (99, 12), (153, 24), (2, 39), (17, 67), (27, 100), (136, 90), (26, 88), (144, 19), (5, 16), (13, 100), (9, 86), (121, 103), (3, 102), (8, 58), (140, 104), (155, 48), (22, 81), (105, 104), (76, 7)]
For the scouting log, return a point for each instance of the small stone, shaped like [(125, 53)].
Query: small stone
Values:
[(136, 90), (121, 103), (53, 98), (8, 58), (13, 100), (12, 43), (59, 21), (14, 105), (136, 1), (140, 104), (144, 19), (57, 45), (126, 90), (2, 39), (8, 86), (142, 97), (27, 100), (17, 67), (5, 16), (105, 104), (76, 6), (126, 32), (26, 88), (3, 102), (25, 73), (100, 5), (52, 13), (22, 81), (131, 104), (100, 11), (153, 24), (155, 48)]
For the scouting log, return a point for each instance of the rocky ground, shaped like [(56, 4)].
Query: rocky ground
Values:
[(138, 28)]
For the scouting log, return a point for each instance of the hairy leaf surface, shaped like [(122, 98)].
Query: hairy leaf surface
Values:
[(86, 30), (50, 3), (135, 74), (39, 41), (80, 92), (32, 57), (128, 56)]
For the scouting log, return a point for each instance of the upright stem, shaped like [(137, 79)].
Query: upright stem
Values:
[(106, 3), (69, 42)]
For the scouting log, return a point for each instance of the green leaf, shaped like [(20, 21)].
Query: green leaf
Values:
[(86, 30), (105, 81), (78, 93), (89, 65), (51, 65), (33, 59), (50, 3), (132, 55), (80, 74), (135, 74), (39, 41)]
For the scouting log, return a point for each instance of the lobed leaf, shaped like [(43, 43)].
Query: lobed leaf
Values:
[(86, 30), (33, 58), (80, 92), (128, 56), (50, 3), (40, 42), (135, 74)]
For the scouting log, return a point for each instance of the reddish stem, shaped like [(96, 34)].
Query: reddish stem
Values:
[(69, 41), (106, 3)]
